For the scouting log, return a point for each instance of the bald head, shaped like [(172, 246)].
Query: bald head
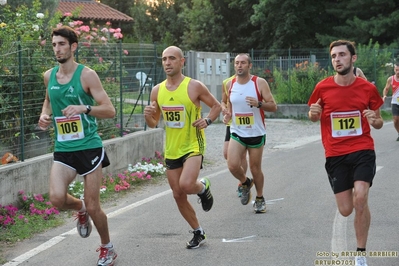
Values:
[(176, 51)]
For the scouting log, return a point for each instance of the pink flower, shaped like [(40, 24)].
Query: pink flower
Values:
[(100, 59), (68, 14), (125, 52), (24, 198), (89, 37), (104, 39), (38, 197), (84, 28), (118, 35), (43, 43), (21, 192), (108, 23), (78, 22), (104, 30), (118, 30), (111, 30), (117, 188)]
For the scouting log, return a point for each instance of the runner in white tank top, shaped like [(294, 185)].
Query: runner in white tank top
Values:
[(248, 98)]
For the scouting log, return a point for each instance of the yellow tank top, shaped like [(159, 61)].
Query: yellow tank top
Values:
[(179, 112), (226, 90)]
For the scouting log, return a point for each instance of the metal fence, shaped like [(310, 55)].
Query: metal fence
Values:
[(127, 71)]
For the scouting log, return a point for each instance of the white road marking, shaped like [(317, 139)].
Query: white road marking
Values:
[(270, 202), (242, 239)]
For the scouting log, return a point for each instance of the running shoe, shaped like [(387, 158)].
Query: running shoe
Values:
[(206, 198), (360, 261), (260, 205), (107, 256), (239, 190), (246, 192), (197, 241), (83, 224)]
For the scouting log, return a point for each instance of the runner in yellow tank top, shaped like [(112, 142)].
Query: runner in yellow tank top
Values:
[(179, 112), (179, 99)]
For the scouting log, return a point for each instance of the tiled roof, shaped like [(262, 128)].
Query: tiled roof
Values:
[(91, 10)]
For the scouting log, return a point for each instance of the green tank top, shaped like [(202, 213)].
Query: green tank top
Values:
[(179, 112), (79, 132)]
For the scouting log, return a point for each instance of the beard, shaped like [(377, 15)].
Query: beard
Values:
[(62, 60), (344, 71)]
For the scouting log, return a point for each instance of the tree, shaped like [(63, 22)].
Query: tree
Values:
[(289, 23), (204, 27), (363, 20)]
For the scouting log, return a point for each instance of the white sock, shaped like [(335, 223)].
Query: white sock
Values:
[(109, 245), (203, 189), (83, 206), (200, 228)]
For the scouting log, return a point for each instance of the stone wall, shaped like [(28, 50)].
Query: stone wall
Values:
[(32, 175)]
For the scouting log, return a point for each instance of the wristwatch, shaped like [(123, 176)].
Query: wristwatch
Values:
[(259, 104), (208, 121), (88, 109)]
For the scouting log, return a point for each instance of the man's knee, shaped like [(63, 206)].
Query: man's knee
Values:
[(345, 210), (57, 200)]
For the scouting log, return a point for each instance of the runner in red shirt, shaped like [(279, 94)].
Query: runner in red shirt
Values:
[(346, 106)]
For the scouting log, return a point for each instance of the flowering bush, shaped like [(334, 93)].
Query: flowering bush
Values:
[(141, 171), (36, 212), (31, 205)]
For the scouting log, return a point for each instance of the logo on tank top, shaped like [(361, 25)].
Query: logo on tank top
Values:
[(171, 99), (69, 93), (54, 88)]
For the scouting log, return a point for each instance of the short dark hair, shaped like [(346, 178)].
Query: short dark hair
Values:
[(66, 32), (247, 55), (350, 45)]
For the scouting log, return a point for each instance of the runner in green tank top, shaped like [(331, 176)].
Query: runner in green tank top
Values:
[(178, 99), (71, 91)]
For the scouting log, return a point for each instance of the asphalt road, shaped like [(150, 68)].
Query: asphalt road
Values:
[(301, 226)]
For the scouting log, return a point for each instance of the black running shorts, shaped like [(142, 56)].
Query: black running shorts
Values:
[(171, 164), (344, 170), (84, 162)]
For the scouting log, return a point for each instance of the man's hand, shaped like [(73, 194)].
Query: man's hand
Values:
[(72, 110), (315, 111), (150, 110), (44, 121)]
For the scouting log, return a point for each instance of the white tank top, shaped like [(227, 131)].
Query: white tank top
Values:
[(246, 121)]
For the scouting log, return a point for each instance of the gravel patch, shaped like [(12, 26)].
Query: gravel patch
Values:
[(280, 133)]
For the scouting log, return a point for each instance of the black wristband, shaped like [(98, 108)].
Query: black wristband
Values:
[(208, 121), (259, 104)]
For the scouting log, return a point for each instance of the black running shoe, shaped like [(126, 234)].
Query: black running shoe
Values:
[(197, 240), (206, 198)]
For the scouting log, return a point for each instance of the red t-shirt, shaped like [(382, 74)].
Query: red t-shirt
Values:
[(343, 128)]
